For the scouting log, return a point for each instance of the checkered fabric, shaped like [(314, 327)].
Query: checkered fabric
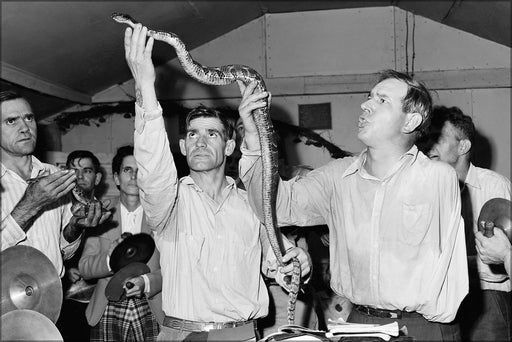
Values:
[(129, 320)]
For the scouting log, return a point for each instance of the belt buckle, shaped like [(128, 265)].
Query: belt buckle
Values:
[(209, 326)]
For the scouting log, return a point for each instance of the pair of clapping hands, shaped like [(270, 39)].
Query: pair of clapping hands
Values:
[(47, 188)]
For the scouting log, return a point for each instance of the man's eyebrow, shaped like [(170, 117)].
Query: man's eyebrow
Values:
[(12, 116), (383, 95)]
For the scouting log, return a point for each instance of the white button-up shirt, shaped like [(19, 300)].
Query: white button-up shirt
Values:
[(46, 233), (396, 242), (210, 253)]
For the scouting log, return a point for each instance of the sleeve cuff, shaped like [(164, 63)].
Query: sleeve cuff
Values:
[(108, 263), (246, 152), (142, 117), (11, 236), (147, 283)]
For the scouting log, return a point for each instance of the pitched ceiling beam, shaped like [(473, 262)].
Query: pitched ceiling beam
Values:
[(28, 80)]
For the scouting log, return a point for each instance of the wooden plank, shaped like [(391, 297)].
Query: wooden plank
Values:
[(25, 79)]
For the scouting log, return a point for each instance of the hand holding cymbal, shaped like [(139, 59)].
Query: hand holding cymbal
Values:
[(134, 248), (496, 212)]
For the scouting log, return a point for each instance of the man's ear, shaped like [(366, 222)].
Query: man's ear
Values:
[(97, 180), (412, 121), (116, 178), (183, 150), (464, 147), (230, 147)]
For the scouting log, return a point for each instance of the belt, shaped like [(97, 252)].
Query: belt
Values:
[(366, 310), (194, 326)]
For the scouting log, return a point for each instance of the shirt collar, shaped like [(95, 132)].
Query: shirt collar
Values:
[(125, 210), (472, 177), (357, 165), (187, 180), (38, 168)]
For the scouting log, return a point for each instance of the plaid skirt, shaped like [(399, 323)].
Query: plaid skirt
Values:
[(129, 320)]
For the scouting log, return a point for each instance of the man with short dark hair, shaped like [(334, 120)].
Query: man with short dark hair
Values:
[(72, 322), (209, 238), (486, 312), (136, 317), (396, 237), (35, 211), (87, 169)]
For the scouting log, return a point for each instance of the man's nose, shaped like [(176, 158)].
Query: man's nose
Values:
[(79, 173), (24, 127), (366, 105), (201, 141)]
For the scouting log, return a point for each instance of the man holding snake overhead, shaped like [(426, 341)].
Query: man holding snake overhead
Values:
[(211, 243)]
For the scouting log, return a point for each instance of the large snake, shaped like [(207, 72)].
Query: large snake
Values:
[(225, 75)]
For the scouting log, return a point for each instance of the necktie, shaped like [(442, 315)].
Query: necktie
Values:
[(467, 215)]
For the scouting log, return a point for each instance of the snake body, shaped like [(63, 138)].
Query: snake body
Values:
[(225, 75)]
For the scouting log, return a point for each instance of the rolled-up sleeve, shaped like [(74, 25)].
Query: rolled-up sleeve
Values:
[(12, 234)]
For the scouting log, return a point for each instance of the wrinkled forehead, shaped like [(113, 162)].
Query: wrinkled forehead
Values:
[(391, 87), (206, 124), (15, 107)]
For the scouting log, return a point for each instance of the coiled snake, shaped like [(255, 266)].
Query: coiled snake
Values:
[(225, 75)]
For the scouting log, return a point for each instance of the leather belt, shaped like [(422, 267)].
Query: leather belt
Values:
[(366, 310), (195, 326)]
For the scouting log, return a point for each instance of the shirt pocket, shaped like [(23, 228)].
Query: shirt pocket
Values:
[(415, 223)]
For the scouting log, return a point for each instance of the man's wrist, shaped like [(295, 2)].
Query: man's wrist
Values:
[(252, 141)]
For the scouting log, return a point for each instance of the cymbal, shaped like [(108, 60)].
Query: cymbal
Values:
[(135, 248), (30, 281), (28, 325), (114, 290), (497, 211), (81, 291)]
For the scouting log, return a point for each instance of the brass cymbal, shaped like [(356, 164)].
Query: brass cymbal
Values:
[(28, 325), (115, 290), (135, 248), (498, 212), (30, 281)]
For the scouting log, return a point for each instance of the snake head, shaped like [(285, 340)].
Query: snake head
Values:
[(123, 18)]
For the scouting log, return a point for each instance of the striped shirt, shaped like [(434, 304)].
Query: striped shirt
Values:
[(46, 233), (397, 243)]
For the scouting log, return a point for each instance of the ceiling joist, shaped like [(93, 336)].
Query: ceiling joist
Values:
[(23, 78)]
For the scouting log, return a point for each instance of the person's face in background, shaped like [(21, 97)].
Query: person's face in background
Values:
[(87, 177), (126, 179), (446, 149)]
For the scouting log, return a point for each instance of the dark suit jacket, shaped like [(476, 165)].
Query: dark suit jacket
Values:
[(93, 265)]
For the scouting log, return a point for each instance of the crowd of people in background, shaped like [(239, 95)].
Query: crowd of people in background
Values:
[(390, 234)]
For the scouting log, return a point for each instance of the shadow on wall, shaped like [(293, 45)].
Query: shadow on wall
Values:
[(482, 151)]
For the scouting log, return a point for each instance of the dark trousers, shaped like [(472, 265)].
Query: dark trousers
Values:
[(417, 326), (72, 323), (485, 315)]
